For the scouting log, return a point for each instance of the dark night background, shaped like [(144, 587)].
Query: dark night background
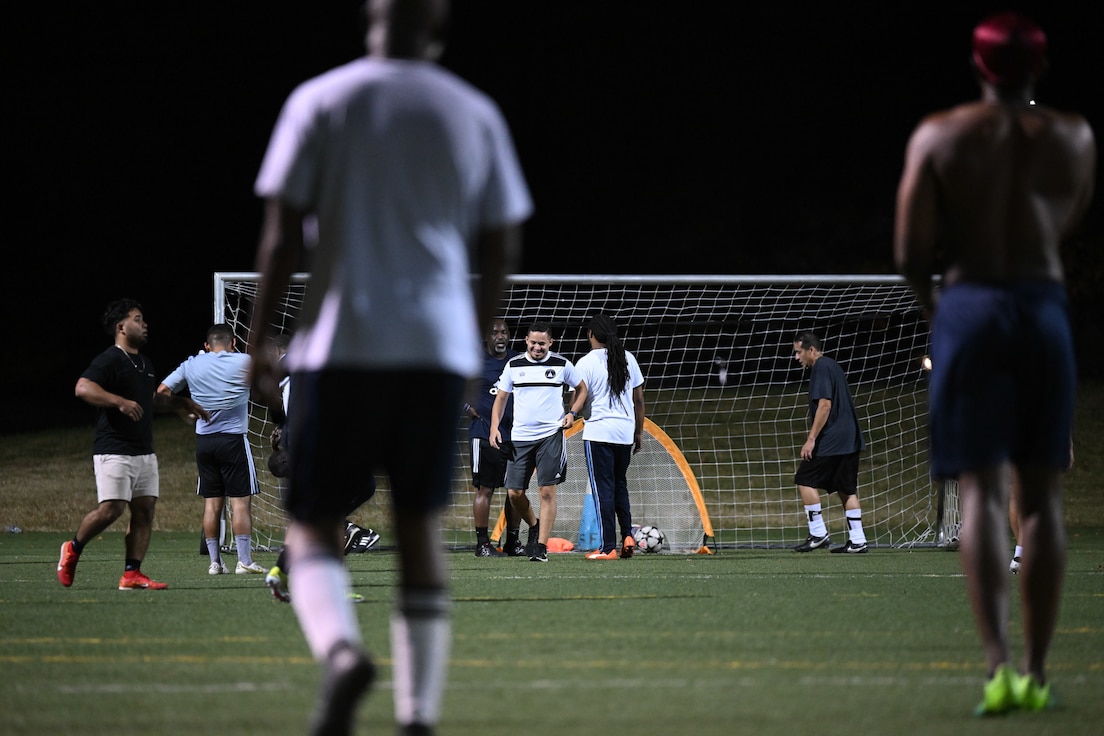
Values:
[(696, 137)]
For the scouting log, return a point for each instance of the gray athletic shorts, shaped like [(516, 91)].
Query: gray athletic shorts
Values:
[(548, 457)]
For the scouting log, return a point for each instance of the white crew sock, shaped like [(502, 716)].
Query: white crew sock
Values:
[(421, 635), (320, 596), (245, 549), (213, 550), (1019, 552), (816, 521), (855, 527)]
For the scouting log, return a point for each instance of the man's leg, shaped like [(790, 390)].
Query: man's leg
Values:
[(242, 512), (421, 627), (212, 515), (1043, 567), (140, 527), (328, 621), (984, 497)]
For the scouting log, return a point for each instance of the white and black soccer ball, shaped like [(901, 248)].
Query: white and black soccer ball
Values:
[(649, 539)]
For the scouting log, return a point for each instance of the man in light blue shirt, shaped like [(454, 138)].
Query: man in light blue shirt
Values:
[(218, 380)]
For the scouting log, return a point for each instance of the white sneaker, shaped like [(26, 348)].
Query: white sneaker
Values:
[(1014, 566), (251, 569), (218, 568)]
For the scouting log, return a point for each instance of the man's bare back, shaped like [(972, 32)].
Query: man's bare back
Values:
[(990, 189)]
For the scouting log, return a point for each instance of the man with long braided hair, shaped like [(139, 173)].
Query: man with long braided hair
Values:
[(613, 432)]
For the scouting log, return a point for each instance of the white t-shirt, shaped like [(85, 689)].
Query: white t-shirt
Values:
[(538, 390), (607, 420), (403, 163)]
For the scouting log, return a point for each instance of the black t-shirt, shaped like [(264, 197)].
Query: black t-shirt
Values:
[(132, 377)]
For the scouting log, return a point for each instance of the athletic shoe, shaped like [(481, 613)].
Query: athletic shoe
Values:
[(485, 549), (1030, 695), (136, 580), (998, 698), (251, 569), (415, 729), (600, 555), (1014, 566), (218, 568), (540, 554), (627, 548), (850, 548), (812, 543), (366, 540), (67, 564), (515, 549), (352, 535), (359, 539), (276, 580), (348, 674)]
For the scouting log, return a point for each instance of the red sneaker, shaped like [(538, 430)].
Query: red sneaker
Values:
[(600, 555), (627, 548), (67, 564), (136, 580)]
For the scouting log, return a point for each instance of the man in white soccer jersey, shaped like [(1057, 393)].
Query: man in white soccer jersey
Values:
[(537, 379), (218, 379), (413, 177)]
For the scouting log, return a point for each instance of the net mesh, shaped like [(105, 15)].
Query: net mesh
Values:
[(721, 381)]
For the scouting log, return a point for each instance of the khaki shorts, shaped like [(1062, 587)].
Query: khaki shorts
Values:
[(126, 477)]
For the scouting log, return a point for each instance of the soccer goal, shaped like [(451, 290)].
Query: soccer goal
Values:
[(722, 385)]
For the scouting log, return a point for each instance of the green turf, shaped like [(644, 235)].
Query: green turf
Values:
[(742, 642)]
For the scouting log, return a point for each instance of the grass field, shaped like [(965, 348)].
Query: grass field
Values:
[(742, 642)]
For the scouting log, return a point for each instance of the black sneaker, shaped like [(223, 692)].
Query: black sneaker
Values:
[(347, 674), (812, 543), (540, 554), (365, 539), (352, 536), (850, 548), (514, 549), (486, 549)]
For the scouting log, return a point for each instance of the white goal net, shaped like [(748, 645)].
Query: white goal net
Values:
[(722, 383)]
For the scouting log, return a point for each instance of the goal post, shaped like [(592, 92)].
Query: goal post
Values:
[(721, 383), (663, 492)]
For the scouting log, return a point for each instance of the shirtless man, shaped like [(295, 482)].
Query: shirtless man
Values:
[(989, 191)]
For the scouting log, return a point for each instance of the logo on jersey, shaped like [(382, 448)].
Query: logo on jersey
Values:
[(550, 374)]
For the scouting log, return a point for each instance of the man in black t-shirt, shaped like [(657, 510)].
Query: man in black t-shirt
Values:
[(121, 384)]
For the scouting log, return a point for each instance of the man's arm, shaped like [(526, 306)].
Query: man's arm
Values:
[(915, 227), (496, 416), (824, 408), (96, 395), (577, 404), (280, 250)]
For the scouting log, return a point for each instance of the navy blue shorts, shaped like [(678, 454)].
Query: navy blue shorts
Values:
[(350, 424), (1003, 377)]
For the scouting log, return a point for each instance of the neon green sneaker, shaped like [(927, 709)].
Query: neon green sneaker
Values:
[(1030, 695), (998, 696)]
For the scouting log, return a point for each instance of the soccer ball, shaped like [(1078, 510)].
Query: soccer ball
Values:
[(649, 539)]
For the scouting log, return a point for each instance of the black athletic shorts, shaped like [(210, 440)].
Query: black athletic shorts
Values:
[(346, 429), (225, 466), (831, 473), (488, 463)]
